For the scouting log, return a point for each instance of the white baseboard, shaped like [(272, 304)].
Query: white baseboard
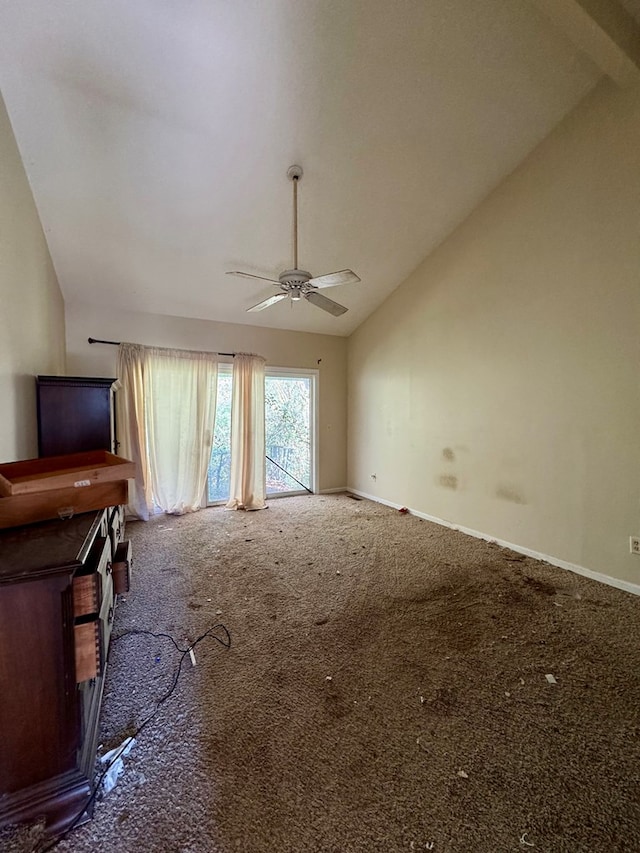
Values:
[(627, 586)]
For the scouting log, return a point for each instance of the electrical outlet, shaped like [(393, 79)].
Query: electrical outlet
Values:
[(634, 544)]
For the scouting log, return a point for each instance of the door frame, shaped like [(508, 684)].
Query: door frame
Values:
[(314, 395), (313, 375)]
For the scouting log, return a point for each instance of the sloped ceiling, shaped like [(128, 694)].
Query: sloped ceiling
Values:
[(156, 135)]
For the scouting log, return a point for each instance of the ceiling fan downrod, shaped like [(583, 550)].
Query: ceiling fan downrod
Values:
[(294, 173)]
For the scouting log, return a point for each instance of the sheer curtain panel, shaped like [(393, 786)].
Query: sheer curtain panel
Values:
[(165, 414), (247, 490), (180, 399), (130, 424)]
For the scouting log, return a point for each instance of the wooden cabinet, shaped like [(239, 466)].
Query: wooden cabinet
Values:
[(75, 413), (57, 603)]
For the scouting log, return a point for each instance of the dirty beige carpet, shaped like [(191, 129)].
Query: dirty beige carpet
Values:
[(386, 691)]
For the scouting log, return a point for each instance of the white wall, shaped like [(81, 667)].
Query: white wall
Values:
[(32, 334), (325, 353), (498, 388)]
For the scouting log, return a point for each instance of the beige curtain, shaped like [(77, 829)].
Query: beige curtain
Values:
[(180, 396), (165, 413), (247, 489), (130, 425)]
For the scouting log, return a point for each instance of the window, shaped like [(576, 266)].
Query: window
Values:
[(218, 474)]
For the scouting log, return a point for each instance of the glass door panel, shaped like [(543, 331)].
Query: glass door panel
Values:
[(288, 434)]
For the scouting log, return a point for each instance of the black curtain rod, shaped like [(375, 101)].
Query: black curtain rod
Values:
[(117, 344)]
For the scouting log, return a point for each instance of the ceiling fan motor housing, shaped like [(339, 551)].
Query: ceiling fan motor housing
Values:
[(294, 278)]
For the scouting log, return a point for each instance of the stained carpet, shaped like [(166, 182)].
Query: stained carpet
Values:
[(386, 690)]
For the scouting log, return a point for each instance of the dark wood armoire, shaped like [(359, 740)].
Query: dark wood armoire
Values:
[(75, 413)]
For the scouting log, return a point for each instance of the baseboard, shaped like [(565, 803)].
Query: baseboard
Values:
[(627, 586), (334, 491)]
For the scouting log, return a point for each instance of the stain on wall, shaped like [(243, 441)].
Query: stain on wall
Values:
[(448, 454), (507, 493), (448, 481)]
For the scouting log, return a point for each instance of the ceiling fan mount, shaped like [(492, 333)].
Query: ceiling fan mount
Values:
[(294, 173), (299, 284)]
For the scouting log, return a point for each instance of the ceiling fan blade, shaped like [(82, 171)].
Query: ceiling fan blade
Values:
[(267, 302), (334, 278), (326, 304), (250, 275)]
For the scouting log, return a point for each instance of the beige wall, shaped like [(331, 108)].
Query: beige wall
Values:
[(499, 387), (31, 307), (325, 353)]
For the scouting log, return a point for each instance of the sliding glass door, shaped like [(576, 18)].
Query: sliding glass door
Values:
[(290, 434)]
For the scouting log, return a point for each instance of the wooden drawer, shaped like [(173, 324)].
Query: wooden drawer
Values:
[(122, 568), (91, 638), (92, 600), (87, 594), (88, 650), (100, 558), (88, 587), (17, 510), (74, 470)]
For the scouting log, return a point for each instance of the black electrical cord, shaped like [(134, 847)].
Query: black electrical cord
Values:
[(226, 643), (288, 473)]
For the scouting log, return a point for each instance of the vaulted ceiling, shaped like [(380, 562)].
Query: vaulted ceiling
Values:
[(157, 134)]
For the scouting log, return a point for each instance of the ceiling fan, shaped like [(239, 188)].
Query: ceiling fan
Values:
[(299, 284)]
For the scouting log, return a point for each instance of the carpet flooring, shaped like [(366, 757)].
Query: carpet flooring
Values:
[(391, 685)]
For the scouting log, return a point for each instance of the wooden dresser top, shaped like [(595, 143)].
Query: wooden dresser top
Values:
[(47, 547)]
